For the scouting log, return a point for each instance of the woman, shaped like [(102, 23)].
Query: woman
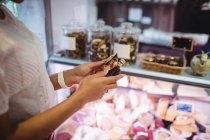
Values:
[(26, 91)]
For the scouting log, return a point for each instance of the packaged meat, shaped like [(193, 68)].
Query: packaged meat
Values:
[(171, 113), (162, 107), (180, 134), (184, 119), (117, 117)]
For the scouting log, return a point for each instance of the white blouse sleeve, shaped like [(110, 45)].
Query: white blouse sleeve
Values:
[(4, 95)]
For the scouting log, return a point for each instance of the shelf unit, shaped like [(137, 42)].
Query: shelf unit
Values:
[(114, 12), (135, 70)]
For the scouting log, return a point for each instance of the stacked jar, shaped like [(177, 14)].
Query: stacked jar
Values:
[(99, 41), (76, 40), (126, 42)]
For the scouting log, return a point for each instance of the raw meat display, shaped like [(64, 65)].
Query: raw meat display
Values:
[(124, 114)]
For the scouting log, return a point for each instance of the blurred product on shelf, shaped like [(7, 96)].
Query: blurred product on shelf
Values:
[(200, 64), (99, 41), (75, 40), (159, 37), (126, 42), (163, 63)]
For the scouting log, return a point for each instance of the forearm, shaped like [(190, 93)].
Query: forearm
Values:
[(54, 81), (41, 125)]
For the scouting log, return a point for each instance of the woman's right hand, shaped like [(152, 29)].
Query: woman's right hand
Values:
[(94, 86)]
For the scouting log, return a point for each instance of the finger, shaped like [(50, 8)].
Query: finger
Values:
[(114, 79), (112, 86), (97, 69), (95, 64), (101, 73)]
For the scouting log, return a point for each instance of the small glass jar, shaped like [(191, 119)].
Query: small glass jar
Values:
[(75, 40), (99, 41), (126, 42)]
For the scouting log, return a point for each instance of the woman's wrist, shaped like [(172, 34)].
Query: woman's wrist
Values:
[(80, 99), (69, 77), (61, 80)]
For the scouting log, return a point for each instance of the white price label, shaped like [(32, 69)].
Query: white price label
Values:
[(184, 106), (122, 50), (69, 43), (72, 43)]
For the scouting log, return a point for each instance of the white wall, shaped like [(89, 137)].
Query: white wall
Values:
[(63, 11), (32, 13)]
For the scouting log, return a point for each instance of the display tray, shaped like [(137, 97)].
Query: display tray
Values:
[(185, 78), (148, 62), (127, 114)]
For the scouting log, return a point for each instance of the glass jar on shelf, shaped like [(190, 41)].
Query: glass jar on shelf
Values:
[(99, 41), (126, 42), (75, 40)]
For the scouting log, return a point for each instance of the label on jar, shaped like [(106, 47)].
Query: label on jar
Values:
[(70, 43), (122, 50)]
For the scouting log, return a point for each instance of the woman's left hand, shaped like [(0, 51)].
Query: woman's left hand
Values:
[(74, 76)]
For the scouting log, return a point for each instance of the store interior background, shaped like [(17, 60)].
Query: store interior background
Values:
[(144, 14)]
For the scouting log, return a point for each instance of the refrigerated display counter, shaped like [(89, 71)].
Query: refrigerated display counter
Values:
[(147, 105)]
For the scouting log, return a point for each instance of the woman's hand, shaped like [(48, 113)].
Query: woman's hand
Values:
[(94, 86), (74, 76)]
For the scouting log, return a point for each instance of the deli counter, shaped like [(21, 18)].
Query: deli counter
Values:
[(147, 105)]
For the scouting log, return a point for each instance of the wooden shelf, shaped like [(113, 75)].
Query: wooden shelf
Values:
[(186, 78)]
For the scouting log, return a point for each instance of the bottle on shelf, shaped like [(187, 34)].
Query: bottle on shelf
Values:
[(75, 40), (99, 41), (126, 42)]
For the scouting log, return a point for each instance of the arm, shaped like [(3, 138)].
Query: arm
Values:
[(41, 125)]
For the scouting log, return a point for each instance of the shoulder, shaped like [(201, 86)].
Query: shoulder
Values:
[(6, 45)]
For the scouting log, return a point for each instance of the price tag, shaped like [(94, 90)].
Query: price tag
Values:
[(122, 50), (184, 107), (183, 43)]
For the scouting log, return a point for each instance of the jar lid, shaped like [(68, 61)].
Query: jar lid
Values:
[(127, 28), (100, 26), (73, 26)]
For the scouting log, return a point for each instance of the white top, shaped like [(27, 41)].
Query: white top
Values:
[(25, 87)]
